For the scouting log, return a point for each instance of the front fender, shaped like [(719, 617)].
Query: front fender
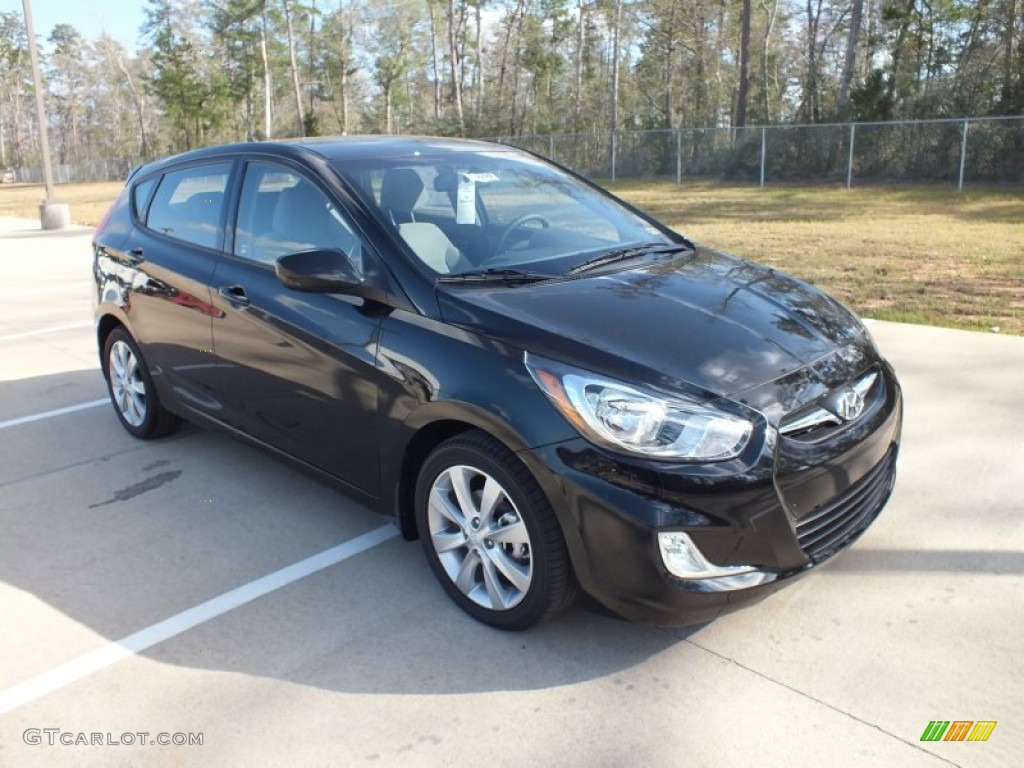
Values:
[(437, 380)]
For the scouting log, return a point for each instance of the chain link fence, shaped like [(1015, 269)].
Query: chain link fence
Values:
[(63, 173), (975, 150), (967, 150)]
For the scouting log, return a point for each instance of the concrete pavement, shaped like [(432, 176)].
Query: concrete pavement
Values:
[(367, 662)]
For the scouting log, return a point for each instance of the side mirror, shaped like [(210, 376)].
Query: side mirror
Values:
[(320, 271)]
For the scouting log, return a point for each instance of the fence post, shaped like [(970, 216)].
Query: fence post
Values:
[(963, 157), (614, 150), (551, 146), (679, 156), (763, 146), (849, 161)]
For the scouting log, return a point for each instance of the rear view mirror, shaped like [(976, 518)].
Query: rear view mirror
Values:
[(320, 271)]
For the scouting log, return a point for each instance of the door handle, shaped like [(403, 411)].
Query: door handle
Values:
[(134, 256), (235, 294)]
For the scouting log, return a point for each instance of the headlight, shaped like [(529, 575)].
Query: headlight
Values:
[(629, 418)]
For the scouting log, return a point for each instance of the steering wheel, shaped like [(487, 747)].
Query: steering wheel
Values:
[(516, 224)]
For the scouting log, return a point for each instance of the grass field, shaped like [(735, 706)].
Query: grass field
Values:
[(88, 201), (920, 254)]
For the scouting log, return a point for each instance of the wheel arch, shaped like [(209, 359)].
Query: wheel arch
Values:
[(426, 429), (104, 326)]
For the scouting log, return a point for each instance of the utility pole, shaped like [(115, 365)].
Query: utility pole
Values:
[(614, 122), (52, 215)]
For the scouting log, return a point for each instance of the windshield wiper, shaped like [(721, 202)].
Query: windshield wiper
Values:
[(495, 275), (622, 254)]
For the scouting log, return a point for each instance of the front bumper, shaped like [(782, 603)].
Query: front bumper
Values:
[(783, 512)]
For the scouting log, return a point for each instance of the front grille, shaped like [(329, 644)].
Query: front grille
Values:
[(820, 420), (828, 529)]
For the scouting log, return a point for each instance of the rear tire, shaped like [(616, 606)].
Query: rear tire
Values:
[(490, 535), (131, 389)]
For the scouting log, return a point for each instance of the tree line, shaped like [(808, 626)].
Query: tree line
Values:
[(211, 71)]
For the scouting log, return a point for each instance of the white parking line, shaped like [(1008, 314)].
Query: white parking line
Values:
[(51, 414), (76, 287), (83, 666), (51, 329)]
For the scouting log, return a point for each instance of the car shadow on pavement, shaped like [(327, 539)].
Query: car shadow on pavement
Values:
[(381, 624), (861, 560), (118, 534)]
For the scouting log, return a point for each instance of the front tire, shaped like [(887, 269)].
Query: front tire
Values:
[(131, 389), (490, 535)]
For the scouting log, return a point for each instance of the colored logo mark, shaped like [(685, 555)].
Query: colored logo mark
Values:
[(958, 730)]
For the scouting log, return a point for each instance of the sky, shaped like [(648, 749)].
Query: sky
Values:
[(120, 19)]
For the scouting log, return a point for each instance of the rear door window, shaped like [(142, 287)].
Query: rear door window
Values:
[(189, 204)]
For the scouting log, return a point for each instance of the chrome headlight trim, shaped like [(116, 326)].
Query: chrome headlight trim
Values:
[(639, 421)]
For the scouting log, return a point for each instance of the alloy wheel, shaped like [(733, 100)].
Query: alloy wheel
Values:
[(126, 384), (480, 538)]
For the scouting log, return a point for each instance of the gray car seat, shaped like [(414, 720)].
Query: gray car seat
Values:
[(400, 190)]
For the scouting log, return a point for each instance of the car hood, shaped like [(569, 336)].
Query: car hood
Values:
[(708, 320)]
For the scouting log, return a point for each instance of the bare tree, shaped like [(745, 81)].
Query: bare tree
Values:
[(770, 14), (300, 123), (478, 62), (138, 99), (581, 40), (744, 86), (455, 61), (268, 81), (1012, 20), (613, 122), (811, 101), (434, 55), (850, 59)]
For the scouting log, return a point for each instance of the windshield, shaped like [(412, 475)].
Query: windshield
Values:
[(466, 212)]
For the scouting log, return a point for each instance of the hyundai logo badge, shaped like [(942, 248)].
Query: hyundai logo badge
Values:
[(848, 405)]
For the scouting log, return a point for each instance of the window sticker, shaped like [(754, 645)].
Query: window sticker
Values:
[(481, 178), (465, 199)]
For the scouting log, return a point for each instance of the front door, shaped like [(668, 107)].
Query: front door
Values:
[(297, 369)]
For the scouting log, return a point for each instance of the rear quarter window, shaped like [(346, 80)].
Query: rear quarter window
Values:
[(140, 196)]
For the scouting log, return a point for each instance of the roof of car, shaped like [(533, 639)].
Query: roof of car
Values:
[(339, 148)]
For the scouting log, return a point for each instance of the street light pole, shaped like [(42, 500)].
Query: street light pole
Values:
[(52, 215)]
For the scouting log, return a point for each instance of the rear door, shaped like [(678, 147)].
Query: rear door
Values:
[(297, 369), (173, 252)]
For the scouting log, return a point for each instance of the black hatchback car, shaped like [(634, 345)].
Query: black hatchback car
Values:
[(551, 390)]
